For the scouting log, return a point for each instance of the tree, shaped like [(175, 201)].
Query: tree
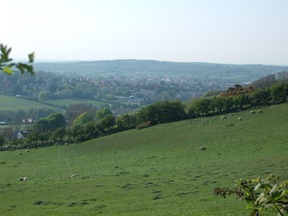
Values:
[(2, 141), (147, 114), (66, 93), (126, 121), (44, 95), (228, 103), (170, 111), (50, 123), (39, 113), (83, 132), (106, 123), (202, 106), (261, 97), (76, 133), (7, 133), (102, 113), (8, 66), (241, 100), (83, 118), (279, 92), (59, 134), (74, 110), (160, 112), (56, 121), (219, 103), (91, 131), (33, 137)]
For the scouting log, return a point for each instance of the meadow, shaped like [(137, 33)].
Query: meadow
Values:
[(14, 103), (68, 102), (154, 171)]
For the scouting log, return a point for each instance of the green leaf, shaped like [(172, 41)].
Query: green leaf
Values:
[(257, 180), (7, 70), (3, 48), (257, 186), (24, 67), (261, 199), (273, 190), (284, 192), (249, 206), (31, 57), (276, 195)]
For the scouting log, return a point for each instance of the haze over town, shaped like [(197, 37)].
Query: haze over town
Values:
[(219, 31)]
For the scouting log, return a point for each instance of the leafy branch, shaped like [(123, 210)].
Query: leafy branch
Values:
[(8, 66), (260, 194)]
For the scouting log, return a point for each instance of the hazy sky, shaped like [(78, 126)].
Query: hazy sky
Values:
[(220, 31)]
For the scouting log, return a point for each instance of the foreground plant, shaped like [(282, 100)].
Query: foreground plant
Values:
[(8, 66), (260, 194)]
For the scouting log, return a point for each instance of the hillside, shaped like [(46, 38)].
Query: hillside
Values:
[(154, 171), (197, 70)]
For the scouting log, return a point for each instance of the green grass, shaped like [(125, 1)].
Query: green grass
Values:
[(67, 102), (154, 171), (14, 103)]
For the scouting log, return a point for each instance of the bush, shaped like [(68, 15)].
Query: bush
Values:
[(260, 194)]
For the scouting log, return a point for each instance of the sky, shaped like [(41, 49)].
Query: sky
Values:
[(216, 31)]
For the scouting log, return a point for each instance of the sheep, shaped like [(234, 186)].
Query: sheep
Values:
[(231, 114), (252, 112), (223, 117), (259, 111), (203, 148), (239, 118), (27, 150), (23, 178)]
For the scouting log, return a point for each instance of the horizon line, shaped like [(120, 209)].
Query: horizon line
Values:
[(128, 59)]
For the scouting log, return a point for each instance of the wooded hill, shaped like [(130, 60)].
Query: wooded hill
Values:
[(233, 72)]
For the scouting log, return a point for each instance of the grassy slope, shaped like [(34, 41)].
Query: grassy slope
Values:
[(154, 171), (67, 102)]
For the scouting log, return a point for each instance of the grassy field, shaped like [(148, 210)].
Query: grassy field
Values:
[(67, 102), (155, 171), (14, 103)]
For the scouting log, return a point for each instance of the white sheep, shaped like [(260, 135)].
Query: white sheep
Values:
[(239, 118), (23, 178)]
